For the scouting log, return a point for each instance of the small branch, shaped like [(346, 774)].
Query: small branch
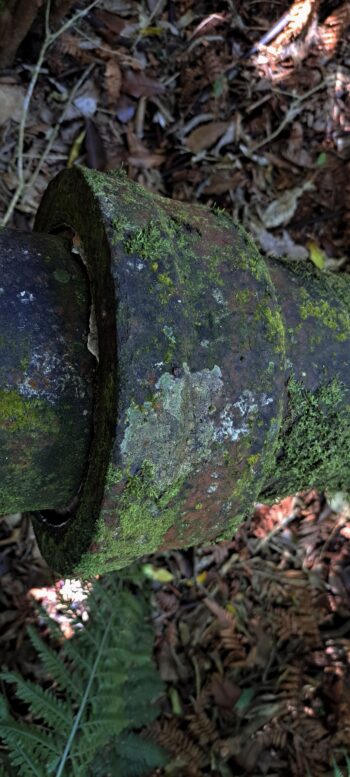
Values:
[(292, 111), (50, 38), (56, 129)]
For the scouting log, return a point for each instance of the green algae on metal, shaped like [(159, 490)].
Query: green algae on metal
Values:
[(144, 519), (330, 316), (313, 441), (20, 413), (192, 290), (182, 407)]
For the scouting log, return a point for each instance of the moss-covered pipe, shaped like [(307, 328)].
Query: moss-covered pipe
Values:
[(222, 378), (46, 374)]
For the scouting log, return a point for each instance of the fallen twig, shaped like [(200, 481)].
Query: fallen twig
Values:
[(49, 39)]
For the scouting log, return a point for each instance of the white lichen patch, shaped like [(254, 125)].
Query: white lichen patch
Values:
[(49, 376), (25, 297), (218, 296), (136, 264), (175, 431), (235, 417), (188, 414), (169, 334), (229, 429)]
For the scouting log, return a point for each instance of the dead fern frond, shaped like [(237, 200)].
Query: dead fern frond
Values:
[(273, 734), (332, 30), (296, 622), (232, 641), (203, 728), (113, 81), (223, 615), (290, 684), (69, 44), (167, 734)]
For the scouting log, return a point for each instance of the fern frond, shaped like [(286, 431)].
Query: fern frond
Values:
[(130, 756), (336, 770), (76, 657), (29, 748), (106, 682), (3, 707), (54, 666), (84, 700), (42, 704)]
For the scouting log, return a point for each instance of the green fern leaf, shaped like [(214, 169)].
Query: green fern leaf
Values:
[(130, 756), (347, 760), (29, 747), (84, 700), (42, 704), (106, 683), (3, 708), (54, 665), (336, 771)]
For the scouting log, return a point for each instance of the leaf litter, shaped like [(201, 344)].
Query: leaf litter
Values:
[(239, 106)]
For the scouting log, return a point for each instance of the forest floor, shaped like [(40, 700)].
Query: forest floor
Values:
[(252, 636)]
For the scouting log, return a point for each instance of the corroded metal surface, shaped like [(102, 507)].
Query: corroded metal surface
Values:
[(199, 362), (210, 362), (45, 374)]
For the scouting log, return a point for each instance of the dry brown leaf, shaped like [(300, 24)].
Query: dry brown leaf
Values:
[(224, 691), (113, 81), (222, 181), (205, 136), (70, 44), (140, 155), (146, 160), (140, 85), (282, 210), (110, 20), (11, 101)]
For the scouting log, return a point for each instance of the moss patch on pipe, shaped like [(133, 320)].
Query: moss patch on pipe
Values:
[(314, 441), (20, 414), (144, 517), (332, 317)]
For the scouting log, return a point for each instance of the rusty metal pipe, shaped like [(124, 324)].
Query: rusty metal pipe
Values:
[(46, 374), (219, 378)]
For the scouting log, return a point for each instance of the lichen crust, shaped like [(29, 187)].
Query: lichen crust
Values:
[(191, 383)]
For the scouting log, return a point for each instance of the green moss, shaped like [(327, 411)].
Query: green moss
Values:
[(144, 518), (314, 442), (166, 280), (250, 259), (21, 414), (114, 476), (242, 296), (253, 459), (333, 317), (233, 526), (147, 242), (272, 318), (121, 225), (26, 425)]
